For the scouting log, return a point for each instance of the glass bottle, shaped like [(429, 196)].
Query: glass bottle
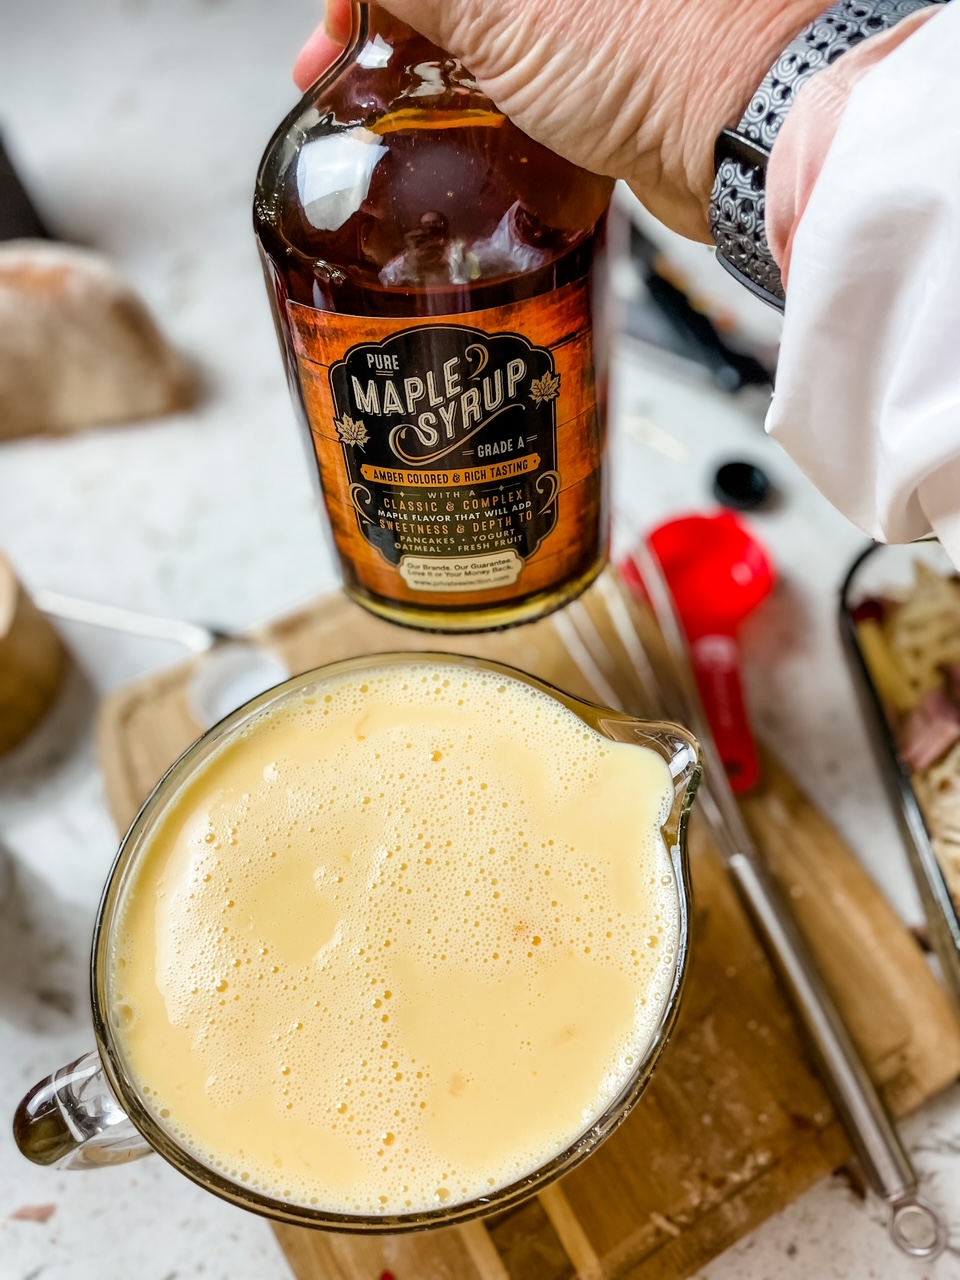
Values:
[(430, 269)]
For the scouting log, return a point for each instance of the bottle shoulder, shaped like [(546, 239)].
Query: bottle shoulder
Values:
[(397, 173)]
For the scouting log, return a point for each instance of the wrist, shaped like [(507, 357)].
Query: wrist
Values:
[(806, 136), (716, 57)]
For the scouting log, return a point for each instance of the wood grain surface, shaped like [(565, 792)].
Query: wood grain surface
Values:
[(735, 1123)]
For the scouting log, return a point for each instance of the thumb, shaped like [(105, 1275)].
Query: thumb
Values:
[(325, 45), (338, 19)]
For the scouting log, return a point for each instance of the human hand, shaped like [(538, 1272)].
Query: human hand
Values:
[(634, 89)]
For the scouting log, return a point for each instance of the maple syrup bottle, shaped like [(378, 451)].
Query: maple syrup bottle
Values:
[(430, 268)]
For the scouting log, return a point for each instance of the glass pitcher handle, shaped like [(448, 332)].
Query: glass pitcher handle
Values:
[(72, 1120)]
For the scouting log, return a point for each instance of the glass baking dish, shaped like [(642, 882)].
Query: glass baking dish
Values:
[(883, 571)]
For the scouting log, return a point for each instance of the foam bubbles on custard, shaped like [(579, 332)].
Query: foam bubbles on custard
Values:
[(382, 956)]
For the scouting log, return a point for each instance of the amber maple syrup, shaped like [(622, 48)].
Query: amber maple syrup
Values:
[(431, 271)]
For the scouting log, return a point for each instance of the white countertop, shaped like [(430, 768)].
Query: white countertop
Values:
[(138, 125)]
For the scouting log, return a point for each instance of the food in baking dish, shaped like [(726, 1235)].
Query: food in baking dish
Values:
[(911, 644)]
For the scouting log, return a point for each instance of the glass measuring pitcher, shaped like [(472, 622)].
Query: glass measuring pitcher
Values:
[(93, 1112)]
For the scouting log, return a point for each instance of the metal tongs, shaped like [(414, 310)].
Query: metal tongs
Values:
[(915, 1226)]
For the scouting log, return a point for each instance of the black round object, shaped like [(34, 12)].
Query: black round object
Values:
[(741, 485)]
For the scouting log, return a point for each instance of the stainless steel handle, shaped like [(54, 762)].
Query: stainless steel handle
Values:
[(915, 1226)]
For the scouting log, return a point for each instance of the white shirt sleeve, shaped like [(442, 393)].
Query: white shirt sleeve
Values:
[(867, 399)]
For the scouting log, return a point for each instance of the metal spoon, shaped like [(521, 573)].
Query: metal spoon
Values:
[(234, 671), (191, 635)]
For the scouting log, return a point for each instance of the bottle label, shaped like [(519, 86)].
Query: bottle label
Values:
[(459, 455)]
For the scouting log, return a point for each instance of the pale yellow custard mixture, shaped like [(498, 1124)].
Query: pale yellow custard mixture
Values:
[(400, 942)]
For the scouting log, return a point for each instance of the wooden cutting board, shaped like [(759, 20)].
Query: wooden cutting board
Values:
[(735, 1123)]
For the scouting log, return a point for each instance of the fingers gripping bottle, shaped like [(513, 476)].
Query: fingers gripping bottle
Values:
[(431, 273)]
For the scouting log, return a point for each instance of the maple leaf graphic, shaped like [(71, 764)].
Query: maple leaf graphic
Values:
[(545, 388), (351, 432)]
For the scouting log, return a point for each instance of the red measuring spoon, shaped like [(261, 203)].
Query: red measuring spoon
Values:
[(717, 573)]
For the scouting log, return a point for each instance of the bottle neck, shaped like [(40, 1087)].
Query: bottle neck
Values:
[(371, 21)]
